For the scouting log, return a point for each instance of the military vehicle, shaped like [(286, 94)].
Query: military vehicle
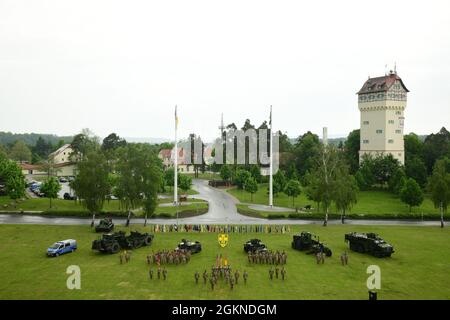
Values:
[(105, 225), (306, 241), (369, 243), (113, 242), (192, 246), (254, 245)]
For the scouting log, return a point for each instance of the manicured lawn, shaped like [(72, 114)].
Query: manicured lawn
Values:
[(417, 270), (369, 202), (68, 207)]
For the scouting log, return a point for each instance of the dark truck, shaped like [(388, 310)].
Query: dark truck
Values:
[(105, 225), (113, 242), (192, 246), (306, 241), (254, 245), (369, 243)]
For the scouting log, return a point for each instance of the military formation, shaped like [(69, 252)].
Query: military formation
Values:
[(174, 257), (267, 257), (277, 273), (223, 273), (161, 273)]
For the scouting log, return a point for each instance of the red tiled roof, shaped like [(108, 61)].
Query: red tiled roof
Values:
[(380, 84)]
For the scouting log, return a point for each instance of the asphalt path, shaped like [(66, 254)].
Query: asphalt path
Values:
[(222, 210)]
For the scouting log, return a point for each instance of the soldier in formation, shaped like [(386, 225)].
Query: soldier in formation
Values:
[(196, 276), (150, 274), (164, 273), (320, 258), (205, 276), (344, 258), (236, 276), (283, 273), (159, 273), (169, 257), (271, 273), (245, 276), (268, 257)]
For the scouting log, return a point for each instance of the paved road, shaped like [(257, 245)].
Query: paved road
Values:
[(222, 210)]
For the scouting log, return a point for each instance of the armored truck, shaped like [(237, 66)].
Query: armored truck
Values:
[(369, 243), (254, 245), (113, 242), (306, 241), (192, 246), (105, 225)]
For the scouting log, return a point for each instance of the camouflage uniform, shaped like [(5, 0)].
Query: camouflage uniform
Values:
[(271, 273), (245, 276), (236, 276), (283, 273), (164, 273), (205, 276), (196, 276), (150, 274)]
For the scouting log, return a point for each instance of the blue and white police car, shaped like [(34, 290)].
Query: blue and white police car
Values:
[(61, 247)]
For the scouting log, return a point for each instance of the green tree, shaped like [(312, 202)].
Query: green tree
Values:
[(293, 189), (312, 189), (251, 186), (225, 172), (351, 150), (411, 194), (397, 181), (306, 150), (364, 176), (435, 147), (129, 182), (415, 168), (279, 182), (240, 177), (112, 142), (413, 146), (20, 152), (151, 182), (345, 191), (50, 188), (185, 182), (3, 152), (169, 177), (92, 183), (255, 171), (439, 186)]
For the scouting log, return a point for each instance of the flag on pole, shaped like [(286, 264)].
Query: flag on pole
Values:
[(270, 117)]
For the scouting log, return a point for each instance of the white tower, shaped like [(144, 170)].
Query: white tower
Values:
[(382, 102)]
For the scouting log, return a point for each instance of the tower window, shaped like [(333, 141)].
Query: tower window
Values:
[(391, 121), (398, 131), (366, 122), (390, 141), (398, 113), (379, 131), (365, 141)]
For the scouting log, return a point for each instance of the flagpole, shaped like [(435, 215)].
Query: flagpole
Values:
[(175, 187), (271, 160)]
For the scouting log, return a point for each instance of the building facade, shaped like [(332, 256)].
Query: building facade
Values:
[(382, 103)]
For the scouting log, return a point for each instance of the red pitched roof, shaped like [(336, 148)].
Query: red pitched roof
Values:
[(381, 84)]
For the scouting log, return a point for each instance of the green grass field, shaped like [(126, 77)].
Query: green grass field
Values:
[(67, 207), (369, 203), (419, 268)]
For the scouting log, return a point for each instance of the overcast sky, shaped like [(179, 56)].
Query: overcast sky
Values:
[(121, 66)]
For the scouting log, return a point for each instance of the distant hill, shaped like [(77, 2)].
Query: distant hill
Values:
[(8, 138)]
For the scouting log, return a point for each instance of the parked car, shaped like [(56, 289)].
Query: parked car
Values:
[(61, 247), (68, 196), (63, 180)]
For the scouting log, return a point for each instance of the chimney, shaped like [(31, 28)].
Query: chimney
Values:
[(325, 136)]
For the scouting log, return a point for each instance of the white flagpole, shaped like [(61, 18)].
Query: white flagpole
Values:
[(271, 160), (175, 187)]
